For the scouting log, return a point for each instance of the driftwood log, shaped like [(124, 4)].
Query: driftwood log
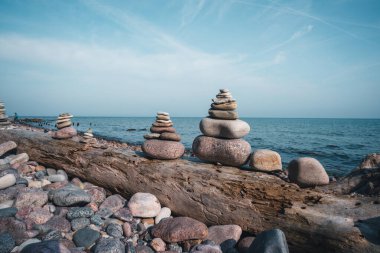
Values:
[(314, 220)]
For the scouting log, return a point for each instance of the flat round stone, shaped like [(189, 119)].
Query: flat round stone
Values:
[(229, 129), (220, 114)]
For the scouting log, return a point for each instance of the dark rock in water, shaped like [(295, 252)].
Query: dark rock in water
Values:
[(131, 129), (270, 241), (79, 223), (85, 237), (180, 229), (161, 149), (52, 246), (8, 212), (114, 230), (113, 203), (233, 152), (79, 212), (371, 161), (109, 245), (143, 249), (7, 243), (96, 220), (70, 196)]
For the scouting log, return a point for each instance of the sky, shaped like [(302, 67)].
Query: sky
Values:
[(299, 58)]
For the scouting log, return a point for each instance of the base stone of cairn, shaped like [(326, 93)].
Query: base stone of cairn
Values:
[(64, 125), (163, 142), (88, 137), (4, 121), (221, 142)]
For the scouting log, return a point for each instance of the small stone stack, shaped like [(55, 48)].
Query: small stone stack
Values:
[(4, 121), (222, 132), (163, 142), (223, 106), (64, 125), (88, 137)]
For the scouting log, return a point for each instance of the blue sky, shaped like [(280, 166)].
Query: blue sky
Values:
[(132, 58)]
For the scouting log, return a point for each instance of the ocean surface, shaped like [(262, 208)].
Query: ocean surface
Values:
[(339, 144)]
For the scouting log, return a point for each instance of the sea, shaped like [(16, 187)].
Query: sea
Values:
[(339, 144)]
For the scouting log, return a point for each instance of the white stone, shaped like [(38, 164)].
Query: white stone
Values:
[(7, 181), (165, 212), (144, 205)]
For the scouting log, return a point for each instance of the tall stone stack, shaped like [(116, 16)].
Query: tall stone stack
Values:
[(222, 141), (4, 121), (163, 142), (65, 128)]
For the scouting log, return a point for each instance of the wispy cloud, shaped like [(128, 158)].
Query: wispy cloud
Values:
[(296, 35), (190, 11)]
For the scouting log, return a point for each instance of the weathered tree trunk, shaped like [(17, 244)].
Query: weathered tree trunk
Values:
[(313, 220)]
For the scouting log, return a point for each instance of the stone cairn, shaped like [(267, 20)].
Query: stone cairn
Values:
[(4, 122), (222, 132), (163, 142), (88, 137), (65, 128)]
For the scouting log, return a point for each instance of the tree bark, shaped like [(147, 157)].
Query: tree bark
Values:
[(314, 220)]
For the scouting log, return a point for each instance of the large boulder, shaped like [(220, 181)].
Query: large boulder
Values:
[(220, 128), (265, 160), (65, 133), (180, 229), (227, 152), (307, 172), (161, 149)]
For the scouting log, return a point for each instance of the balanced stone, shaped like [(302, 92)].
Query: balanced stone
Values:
[(157, 124), (170, 137), (219, 114), (265, 160), (162, 117), (163, 113), (223, 100), (166, 150), (152, 136), (307, 172), (229, 129), (163, 121), (65, 133), (159, 130), (234, 152), (225, 107)]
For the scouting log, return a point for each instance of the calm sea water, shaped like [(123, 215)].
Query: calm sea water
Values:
[(339, 144)]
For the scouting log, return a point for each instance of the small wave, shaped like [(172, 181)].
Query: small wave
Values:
[(331, 146), (355, 146)]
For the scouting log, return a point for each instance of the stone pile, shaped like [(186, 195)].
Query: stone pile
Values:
[(43, 210), (222, 132), (65, 128), (163, 142), (4, 121), (88, 137)]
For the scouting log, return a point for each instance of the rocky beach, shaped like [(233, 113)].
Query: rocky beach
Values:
[(76, 195)]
